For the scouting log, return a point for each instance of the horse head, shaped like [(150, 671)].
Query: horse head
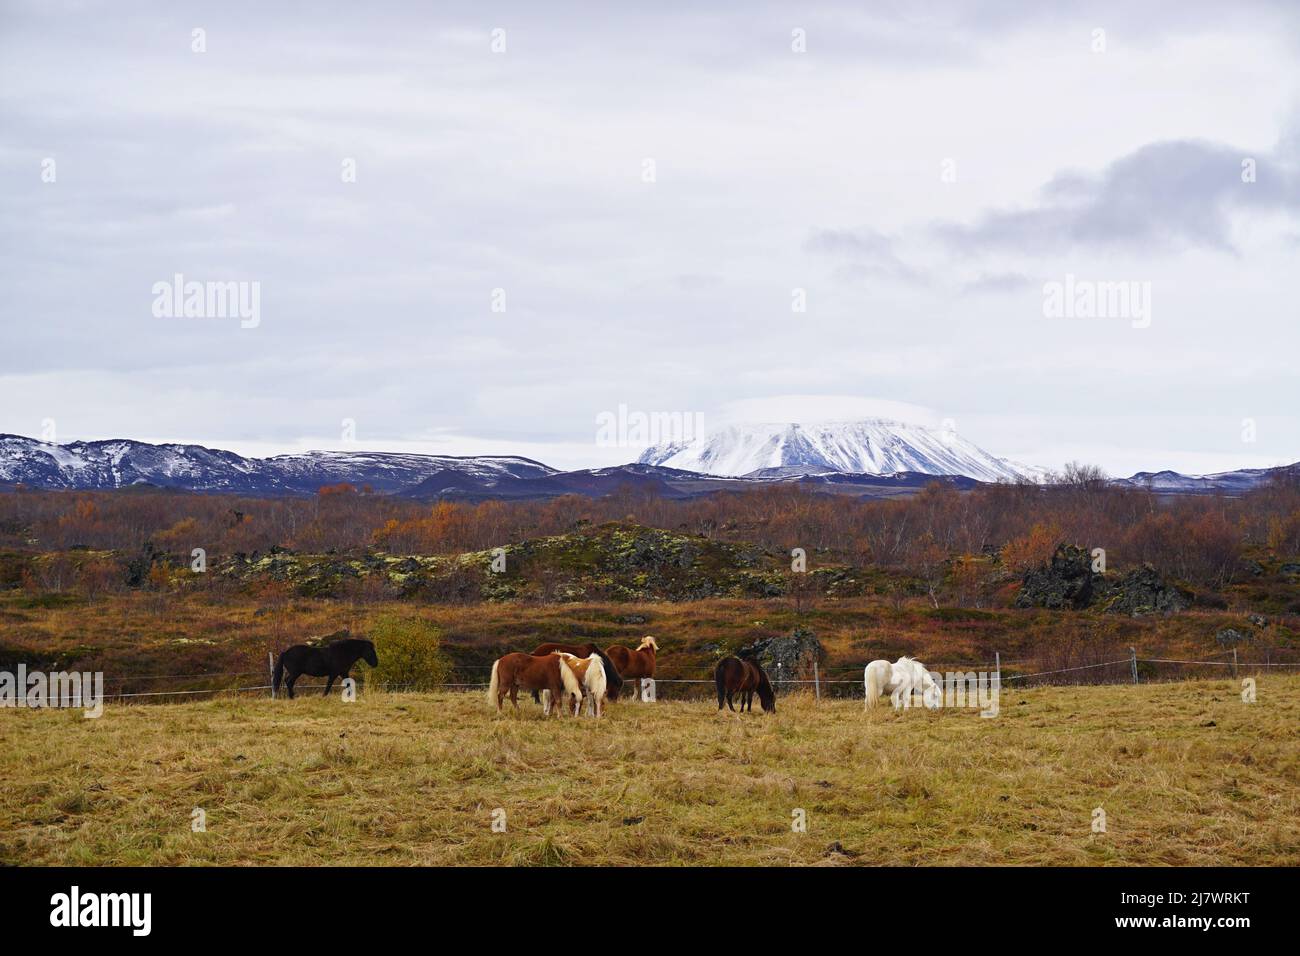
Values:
[(766, 695), (368, 653)]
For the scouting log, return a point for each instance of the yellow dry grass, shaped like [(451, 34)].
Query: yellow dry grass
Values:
[(1186, 774)]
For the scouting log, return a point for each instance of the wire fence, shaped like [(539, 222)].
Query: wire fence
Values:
[(840, 682)]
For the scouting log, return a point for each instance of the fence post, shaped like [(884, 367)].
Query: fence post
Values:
[(270, 669), (817, 682), (1234, 662), (1133, 659), (997, 666)]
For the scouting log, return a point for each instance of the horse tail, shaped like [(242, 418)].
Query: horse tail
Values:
[(613, 679), (570, 679), (277, 675), (494, 683), (873, 687)]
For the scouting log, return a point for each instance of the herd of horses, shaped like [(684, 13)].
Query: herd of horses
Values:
[(562, 677)]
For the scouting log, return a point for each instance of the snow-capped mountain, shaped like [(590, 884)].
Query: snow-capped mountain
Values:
[(119, 463), (873, 446), (1172, 482)]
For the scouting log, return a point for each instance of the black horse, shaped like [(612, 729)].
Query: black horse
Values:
[(332, 661), (733, 674)]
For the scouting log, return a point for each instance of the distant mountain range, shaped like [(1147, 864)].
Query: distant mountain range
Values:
[(872, 459)]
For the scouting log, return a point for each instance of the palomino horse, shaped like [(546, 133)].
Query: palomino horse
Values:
[(590, 672), (633, 665), (613, 680), (732, 674), (548, 673), (332, 661), (900, 680)]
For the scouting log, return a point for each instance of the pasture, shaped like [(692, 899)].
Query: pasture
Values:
[(1186, 773)]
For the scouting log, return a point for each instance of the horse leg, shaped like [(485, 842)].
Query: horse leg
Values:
[(731, 696), (328, 684), (289, 684)]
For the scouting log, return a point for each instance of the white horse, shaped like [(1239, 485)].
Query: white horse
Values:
[(900, 680), (590, 673)]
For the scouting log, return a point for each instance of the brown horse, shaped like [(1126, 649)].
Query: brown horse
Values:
[(633, 665), (549, 673), (732, 674), (613, 680)]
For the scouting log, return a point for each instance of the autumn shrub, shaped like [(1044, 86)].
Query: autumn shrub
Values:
[(409, 651)]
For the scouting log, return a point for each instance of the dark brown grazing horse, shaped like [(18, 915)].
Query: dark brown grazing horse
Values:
[(518, 670), (332, 661), (613, 680), (634, 664), (733, 674)]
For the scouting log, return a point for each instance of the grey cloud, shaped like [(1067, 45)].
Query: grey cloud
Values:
[(862, 253), (1169, 195), (1001, 282)]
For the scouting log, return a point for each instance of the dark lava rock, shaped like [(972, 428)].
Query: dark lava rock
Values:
[(787, 658), (1066, 582), (1228, 636), (1144, 591)]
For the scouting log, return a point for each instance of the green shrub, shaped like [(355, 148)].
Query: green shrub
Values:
[(409, 651)]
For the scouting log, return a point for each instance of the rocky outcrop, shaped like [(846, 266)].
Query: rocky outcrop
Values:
[(1230, 637), (1068, 582), (1144, 591), (787, 658)]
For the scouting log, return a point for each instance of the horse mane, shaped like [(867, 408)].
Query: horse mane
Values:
[(648, 640), (766, 695), (613, 678)]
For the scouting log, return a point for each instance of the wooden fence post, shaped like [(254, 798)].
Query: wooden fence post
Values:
[(1234, 662), (817, 681), (270, 665), (1133, 659)]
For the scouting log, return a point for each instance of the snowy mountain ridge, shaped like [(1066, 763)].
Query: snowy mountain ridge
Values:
[(119, 463), (874, 446)]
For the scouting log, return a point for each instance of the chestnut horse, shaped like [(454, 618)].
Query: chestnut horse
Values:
[(634, 664), (732, 675), (613, 680), (590, 672), (518, 670)]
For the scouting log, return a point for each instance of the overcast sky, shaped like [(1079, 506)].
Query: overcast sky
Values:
[(649, 187)]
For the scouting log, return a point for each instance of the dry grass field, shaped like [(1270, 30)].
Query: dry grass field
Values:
[(1186, 774)]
